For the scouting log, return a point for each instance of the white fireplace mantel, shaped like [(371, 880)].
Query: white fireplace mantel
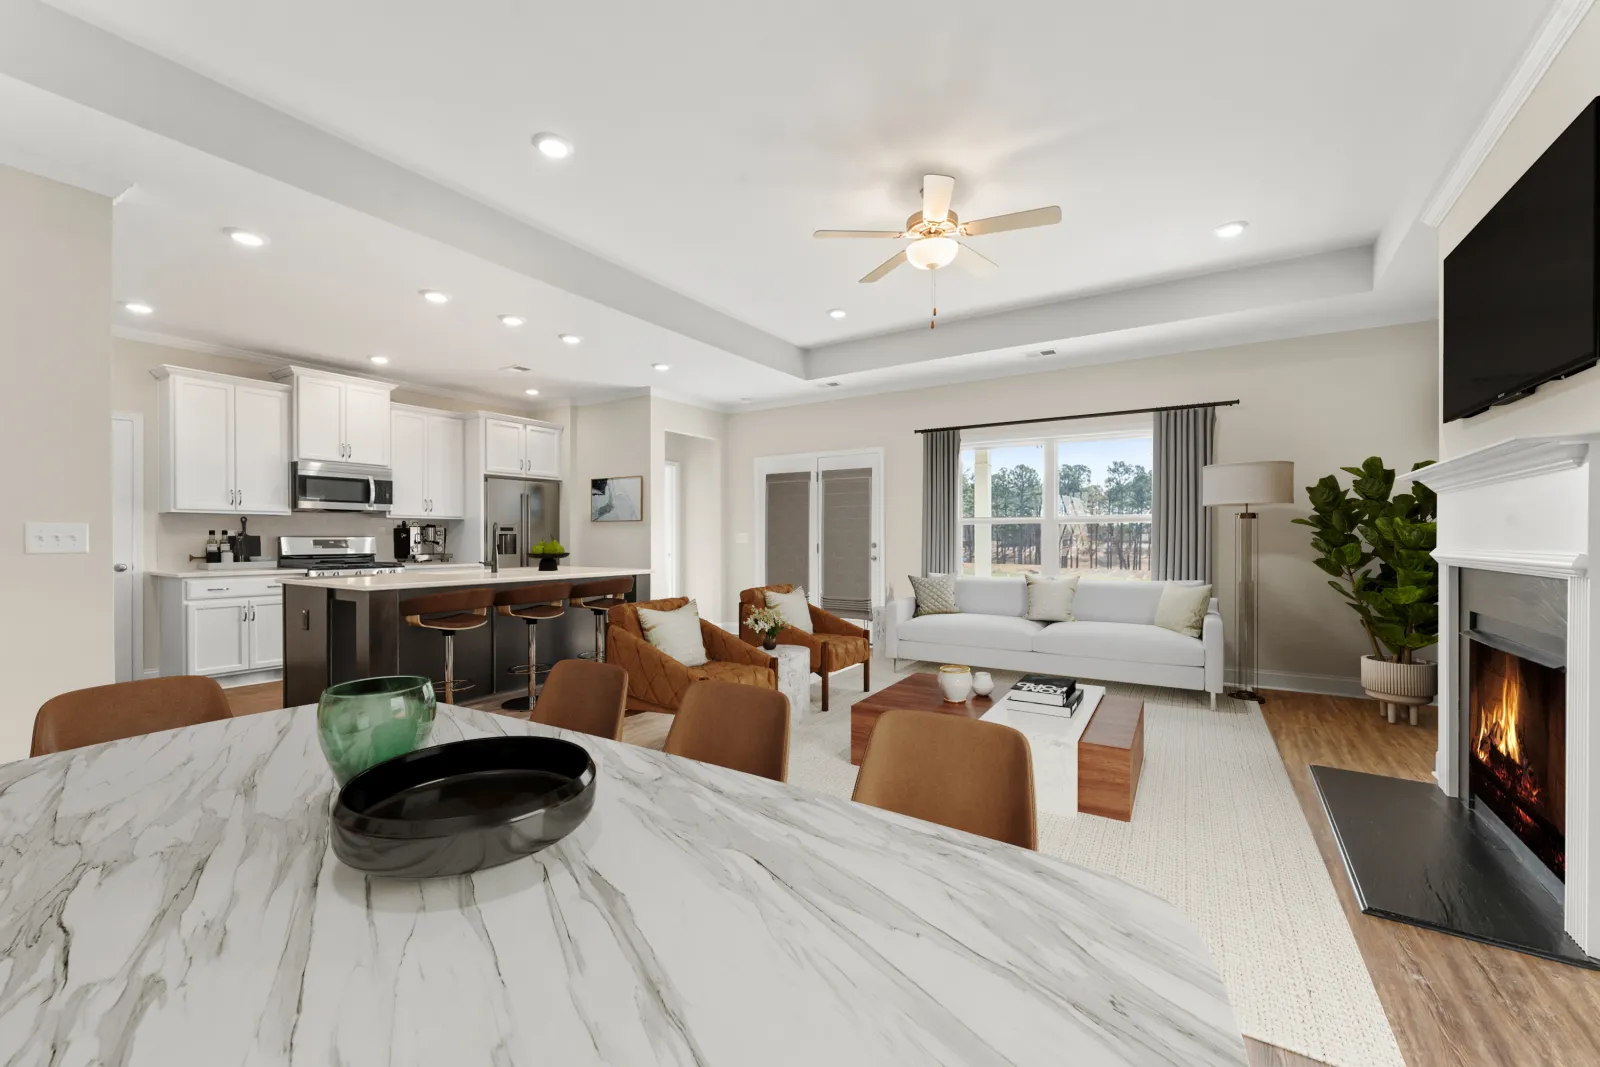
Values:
[(1528, 506)]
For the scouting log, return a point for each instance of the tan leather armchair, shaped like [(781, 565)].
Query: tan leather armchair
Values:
[(656, 681), (834, 643)]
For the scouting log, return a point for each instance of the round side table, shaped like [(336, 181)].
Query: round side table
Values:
[(794, 679)]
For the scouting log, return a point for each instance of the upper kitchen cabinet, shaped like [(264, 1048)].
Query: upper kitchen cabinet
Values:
[(224, 444), (520, 447), (338, 418), (429, 463)]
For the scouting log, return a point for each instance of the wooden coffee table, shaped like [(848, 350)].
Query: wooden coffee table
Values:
[(919, 692)]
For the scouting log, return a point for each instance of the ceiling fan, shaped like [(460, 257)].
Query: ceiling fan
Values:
[(934, 232)]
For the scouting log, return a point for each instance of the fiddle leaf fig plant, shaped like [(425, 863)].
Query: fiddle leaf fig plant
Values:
[(1365, 525)]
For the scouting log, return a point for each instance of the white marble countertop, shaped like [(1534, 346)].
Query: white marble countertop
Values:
[(171, 900), (227, 572), (455, 575)]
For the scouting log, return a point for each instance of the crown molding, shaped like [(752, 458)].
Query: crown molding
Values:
[(1546, 45)]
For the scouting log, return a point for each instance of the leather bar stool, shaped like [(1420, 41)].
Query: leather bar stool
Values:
[(532, 604), (449, 614), (600, 595)]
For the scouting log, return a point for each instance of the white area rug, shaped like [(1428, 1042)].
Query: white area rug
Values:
[(1217, 831)]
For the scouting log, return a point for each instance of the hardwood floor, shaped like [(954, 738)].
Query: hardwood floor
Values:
[(1451, 1002)]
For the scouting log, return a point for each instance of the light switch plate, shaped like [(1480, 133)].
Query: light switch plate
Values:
[(54, 538), (741, 539)]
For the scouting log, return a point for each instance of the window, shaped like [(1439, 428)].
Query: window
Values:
[(1060, 506)]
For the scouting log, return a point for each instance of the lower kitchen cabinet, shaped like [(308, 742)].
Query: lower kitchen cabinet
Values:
[(220, 626)]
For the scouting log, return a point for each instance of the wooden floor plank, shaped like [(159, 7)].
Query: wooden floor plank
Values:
[(1261, 1054)]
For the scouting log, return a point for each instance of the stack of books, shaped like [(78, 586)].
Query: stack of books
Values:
[(1046, 692)]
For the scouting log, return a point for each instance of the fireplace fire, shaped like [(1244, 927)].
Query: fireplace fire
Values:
[(1517, 745)]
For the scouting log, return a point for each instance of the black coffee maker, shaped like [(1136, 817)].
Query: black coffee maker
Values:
[(420, 542)]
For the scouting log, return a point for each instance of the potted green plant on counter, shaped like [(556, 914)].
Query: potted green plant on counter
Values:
[(1378, 549)]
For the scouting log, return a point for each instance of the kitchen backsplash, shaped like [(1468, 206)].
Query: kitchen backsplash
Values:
[(179, 536)]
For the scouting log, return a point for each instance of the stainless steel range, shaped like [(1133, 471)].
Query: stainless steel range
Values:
[(333, 557)]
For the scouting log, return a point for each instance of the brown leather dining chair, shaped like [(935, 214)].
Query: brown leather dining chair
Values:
[(735, 726), (126, 709), (584, 696), (959, 772)]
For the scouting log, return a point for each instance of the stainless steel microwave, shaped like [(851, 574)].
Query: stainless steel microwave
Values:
[(341, 487)]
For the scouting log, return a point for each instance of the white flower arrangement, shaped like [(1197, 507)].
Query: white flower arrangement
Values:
[(765, 621)]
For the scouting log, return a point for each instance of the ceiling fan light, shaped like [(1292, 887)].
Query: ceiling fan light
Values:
[(931, 253)]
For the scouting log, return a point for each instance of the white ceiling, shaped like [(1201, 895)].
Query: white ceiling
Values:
[(712, 136)]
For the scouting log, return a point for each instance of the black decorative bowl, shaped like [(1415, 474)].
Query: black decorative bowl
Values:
[(547, 560), (462, 807)]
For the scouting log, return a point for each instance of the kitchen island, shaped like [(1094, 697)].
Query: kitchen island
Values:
[(338, 629), (171, 900)]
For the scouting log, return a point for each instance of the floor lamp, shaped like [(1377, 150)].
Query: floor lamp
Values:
[(1243, 485)]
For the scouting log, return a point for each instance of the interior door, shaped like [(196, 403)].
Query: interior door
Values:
[(503, 447), (672, 504), (447, 468), (409, 447), (319, 418), (849, 568), (261, 450), (266, 634), (366, 423), (202, 445), (217, 643), (127, 570)]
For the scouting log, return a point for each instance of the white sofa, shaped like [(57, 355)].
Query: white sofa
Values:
[(1114, 638)]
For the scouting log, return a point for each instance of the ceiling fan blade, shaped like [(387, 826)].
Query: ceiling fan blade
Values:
[(974, 262), (936, 191), (885, 267), (1017, 220), (857, 233)]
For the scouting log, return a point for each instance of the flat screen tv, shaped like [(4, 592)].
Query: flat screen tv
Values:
[(1520, 305)]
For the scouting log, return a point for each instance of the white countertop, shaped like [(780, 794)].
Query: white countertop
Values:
[(171, 899), (419, 578), (228, 572)]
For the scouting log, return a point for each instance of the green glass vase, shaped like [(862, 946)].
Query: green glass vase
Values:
[(367, 721)]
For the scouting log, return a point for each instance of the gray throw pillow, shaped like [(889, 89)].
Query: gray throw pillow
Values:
[(936, 594)]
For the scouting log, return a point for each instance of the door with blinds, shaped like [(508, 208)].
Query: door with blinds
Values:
[(822, 518)]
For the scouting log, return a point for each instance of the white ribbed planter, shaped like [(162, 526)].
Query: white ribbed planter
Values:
[(1390, 684)]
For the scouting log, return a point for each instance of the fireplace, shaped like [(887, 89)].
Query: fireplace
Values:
[(1516, 741)]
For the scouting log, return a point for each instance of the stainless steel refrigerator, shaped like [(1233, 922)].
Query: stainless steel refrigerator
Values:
[(520, 513)]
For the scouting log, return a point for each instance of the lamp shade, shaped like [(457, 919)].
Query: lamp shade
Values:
[(1268, 481)]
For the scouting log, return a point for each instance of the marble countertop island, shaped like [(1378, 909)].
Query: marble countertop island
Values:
[(170, 900)]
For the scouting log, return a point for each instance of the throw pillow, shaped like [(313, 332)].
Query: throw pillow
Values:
[(1050, 599), (936, 594), (794, 608), (677, 633), (1183, 608)]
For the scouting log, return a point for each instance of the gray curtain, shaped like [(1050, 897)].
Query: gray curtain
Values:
[(1180, 532), (941, 487)]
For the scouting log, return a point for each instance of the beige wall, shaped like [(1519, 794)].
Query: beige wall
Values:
[(1322, 402), (1573, 80), (56, 631), (696, 435), (608, 441)]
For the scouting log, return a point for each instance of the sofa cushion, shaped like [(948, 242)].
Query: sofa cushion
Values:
[(792, 606), (1050, 599), (1123, 641), (1103, 601), (675, 632), (1183, 608), (936, 594), (992, 596), (975, 631)]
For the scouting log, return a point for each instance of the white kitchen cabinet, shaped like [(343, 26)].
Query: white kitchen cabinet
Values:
[(429, 453), (224, 444), (366, 423), (319, 418), (264, 627), (542, 450), (219, 626), (217, 641), (505, 447), (339, 418)]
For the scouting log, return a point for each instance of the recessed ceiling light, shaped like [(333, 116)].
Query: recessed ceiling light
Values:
[(552, 147), (433, 296), (836, 313), (1230, 229), (830, 385), (379, 360), (246, 238), (516, 368), (571, 338), (662, 366), (531, 392), (512, 320), (138, 307)]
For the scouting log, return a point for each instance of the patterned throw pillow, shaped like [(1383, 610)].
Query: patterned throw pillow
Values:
[(793, 607), (1183, 608), (936, 594), (1050, 599), (677, 633)]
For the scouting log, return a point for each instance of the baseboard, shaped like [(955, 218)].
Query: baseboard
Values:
[(229, 681), (150, 672), (1336, 685)]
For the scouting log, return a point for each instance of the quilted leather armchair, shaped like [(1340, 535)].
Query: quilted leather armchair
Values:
[(656, 681), (834, 643)]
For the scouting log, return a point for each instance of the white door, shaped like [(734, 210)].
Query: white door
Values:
[(672, 517), (217, 643), (319, 418), (266, 634), (503, 447), (261, 450), (366, 424), (447, 468), (848, 575), (202, 445), (127, 518), (409, 445), (543, 452)]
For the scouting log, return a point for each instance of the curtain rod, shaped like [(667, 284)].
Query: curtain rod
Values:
[(1086, 415)]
